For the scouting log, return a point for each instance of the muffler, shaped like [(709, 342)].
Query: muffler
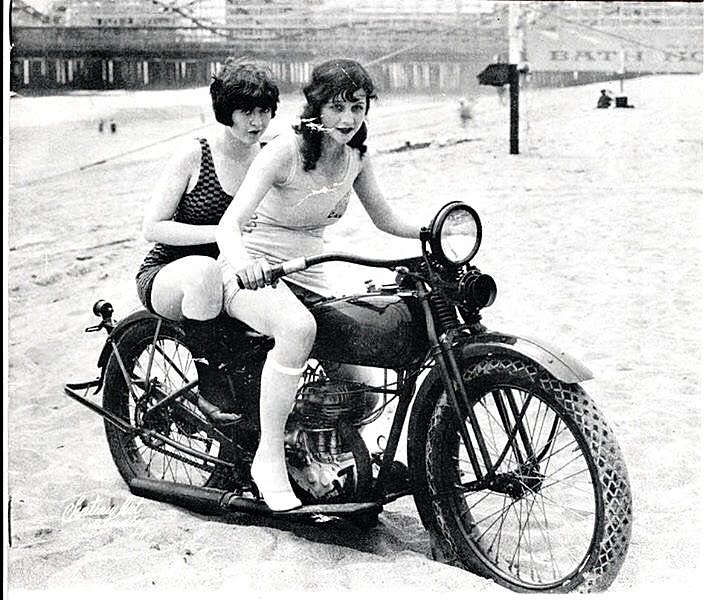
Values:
[(212, 501)]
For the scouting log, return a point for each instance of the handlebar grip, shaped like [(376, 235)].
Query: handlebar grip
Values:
[(276, 273), (279, 270)]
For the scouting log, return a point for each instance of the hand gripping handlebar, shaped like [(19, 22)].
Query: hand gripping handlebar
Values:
[(303, 262)]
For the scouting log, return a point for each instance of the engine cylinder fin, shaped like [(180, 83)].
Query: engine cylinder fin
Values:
[(322, 403)]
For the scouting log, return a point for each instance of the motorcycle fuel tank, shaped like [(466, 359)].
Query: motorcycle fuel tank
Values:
[(377, 330)]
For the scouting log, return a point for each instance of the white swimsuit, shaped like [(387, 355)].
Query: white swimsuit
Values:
[(291, 219)]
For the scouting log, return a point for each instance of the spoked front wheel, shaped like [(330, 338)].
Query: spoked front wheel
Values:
[(173, 443), (550, 508)]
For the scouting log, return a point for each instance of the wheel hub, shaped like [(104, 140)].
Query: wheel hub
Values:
[(516, 484), (159, 420)]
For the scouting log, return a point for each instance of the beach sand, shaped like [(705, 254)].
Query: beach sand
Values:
[(593, 236)]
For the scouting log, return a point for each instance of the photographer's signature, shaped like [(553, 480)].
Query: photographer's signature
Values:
[(125, 511)]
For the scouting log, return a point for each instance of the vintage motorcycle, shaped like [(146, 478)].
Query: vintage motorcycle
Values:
[(513, 469)]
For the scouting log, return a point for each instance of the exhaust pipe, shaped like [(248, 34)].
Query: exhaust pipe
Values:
[(207, 501), (212, 501)]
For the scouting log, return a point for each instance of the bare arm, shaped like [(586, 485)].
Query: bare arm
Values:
[(267, 168), (378, 209), (158, 225)]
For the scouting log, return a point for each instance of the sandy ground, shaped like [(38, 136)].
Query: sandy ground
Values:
[(592, 234)]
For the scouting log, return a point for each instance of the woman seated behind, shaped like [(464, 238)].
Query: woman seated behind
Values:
[(299, 183), (180, 277)]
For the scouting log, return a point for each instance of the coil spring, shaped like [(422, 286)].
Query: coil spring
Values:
[(444, 313)]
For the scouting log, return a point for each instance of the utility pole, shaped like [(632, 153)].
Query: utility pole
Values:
[(622, 70), (515, 57)]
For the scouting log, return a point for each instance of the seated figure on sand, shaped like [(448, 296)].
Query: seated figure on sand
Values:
[(605, 100)]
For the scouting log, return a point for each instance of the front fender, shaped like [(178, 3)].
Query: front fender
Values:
[(119, 328), (560, 365)]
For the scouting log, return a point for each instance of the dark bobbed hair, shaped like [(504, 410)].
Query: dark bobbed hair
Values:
[(242, 86), (338, 78)]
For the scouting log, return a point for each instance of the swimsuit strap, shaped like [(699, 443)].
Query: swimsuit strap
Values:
[(207, 172), (296, 160)]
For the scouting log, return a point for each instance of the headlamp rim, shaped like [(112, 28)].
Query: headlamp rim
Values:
[(437, 225)]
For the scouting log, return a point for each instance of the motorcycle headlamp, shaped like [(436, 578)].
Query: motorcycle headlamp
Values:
[(455, 233)]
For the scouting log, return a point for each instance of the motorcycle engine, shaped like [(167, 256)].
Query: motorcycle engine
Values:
[(327, 457), (322, 403), (322, 466)]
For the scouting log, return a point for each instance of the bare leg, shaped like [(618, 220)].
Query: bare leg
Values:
[(189, 287), (278, 313)]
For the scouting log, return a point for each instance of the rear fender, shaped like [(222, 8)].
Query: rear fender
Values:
[(119, 329)]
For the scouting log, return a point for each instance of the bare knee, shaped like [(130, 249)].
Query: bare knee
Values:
[(300, 328), (202, 287), (204, 276), (295, 336), (189, 287)]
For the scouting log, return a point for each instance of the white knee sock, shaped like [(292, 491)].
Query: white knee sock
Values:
[(278, 386)]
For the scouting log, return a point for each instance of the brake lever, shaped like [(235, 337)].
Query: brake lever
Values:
[(404, 274), (108, 325)]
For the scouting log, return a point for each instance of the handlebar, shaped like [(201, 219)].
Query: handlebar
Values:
[(304, 262)]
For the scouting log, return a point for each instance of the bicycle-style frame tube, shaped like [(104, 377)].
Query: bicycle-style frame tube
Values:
[(406, 383)]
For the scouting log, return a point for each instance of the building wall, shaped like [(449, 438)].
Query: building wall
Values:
[(440, 48), (126, 72), (112, 13)]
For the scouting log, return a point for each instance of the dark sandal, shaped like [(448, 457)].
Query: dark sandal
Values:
[(214, 414)]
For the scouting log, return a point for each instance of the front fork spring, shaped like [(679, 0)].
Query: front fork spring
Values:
[(444, 313)]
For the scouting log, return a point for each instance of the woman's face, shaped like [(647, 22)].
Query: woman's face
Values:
[(342, 118), (249, 125)]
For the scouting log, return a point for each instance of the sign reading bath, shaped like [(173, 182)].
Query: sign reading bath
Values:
[(569, 47)]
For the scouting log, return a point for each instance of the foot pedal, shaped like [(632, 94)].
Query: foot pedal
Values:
[(240, 504)]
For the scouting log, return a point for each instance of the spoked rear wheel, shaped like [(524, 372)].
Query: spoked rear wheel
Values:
[(554, 514), (173, 440)]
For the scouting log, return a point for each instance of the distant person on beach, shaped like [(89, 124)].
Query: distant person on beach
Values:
[(180, 277), (605, 100), (113, 127), (465, 111), (101, 125), (300, 183)]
